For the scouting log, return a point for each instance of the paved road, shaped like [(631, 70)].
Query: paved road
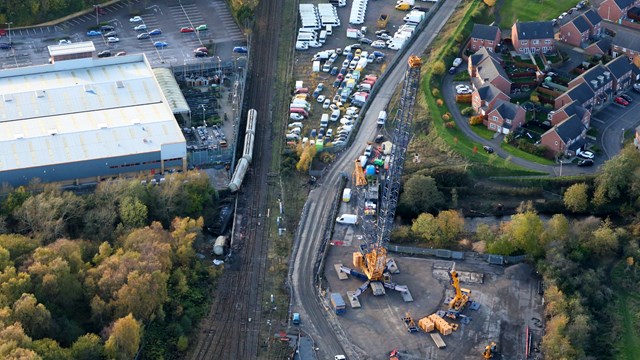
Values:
[(448, 93), (318, 321), (612, 121)]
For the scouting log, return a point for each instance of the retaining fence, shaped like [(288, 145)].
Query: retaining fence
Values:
[(456, 255)]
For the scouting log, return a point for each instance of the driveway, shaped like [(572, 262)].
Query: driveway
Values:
[(448, 93), (612, 121)]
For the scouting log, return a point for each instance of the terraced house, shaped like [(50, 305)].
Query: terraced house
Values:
[(486, 67), (504, 117), (533, 37), (484, 36), (614, 10)]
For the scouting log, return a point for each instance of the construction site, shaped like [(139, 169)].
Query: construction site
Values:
[(395, 307)]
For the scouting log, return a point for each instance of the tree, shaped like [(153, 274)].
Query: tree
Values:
[(421, 195), (555, 345), (576, 198), (438, 67), (133, 213), (34, 317), (87, 347), (450, 224), (14, 343), (616, 176), (425, 226), (306, 158), (19, 246), (49, 349), (12, 285), (557, 229), (5, 258), (124, 339), (604, 241), (523, 231)]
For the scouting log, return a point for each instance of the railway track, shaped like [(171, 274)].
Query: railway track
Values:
[(231, 330)]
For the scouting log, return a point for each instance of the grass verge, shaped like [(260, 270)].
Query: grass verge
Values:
[(532, 10), (627, 308), (483, 131), (452, 136), (525, 155)]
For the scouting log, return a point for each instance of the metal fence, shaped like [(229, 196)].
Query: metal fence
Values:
[(457, 255)]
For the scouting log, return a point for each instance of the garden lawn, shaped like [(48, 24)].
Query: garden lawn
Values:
[(532, 10)]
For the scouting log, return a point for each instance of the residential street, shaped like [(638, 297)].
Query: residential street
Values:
[(448, 93)]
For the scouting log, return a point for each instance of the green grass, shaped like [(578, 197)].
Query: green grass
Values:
[(525, 155), (531, 10), (455, 138), (483, 131), (627, 307)]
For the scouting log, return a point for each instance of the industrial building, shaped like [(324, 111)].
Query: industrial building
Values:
[(83, 120)]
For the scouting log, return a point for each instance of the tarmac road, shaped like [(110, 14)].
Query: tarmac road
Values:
[(319, 323)]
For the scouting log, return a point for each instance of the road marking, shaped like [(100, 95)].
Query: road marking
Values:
[(597, 120)]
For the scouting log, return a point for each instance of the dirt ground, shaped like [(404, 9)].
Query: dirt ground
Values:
[(508, 297)]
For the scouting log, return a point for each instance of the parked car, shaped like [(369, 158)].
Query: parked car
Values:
[(94, 33), (64, 42), (326, 103), (585, 162), (296, 117), (586, 154), (135, 19), (155, 32), (187, 30), (140, 27), (627, 97), (200, 54), (105, 53), (452, 70), (5, 46), (202, 27), (378, 44), (384, 36), (621, 101), (107, 28), (121, 53), (379, 139), (488, 149), (321, 98), (143, 36), (160, 44), (240, 50), (463, 89), (366, 41), (636, 87), (112, 40), (110, 34)]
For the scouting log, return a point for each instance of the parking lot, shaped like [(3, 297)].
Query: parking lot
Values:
[(611, 122), (30, 45), (303, 59)]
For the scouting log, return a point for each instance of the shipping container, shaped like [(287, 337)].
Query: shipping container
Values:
[(338, 303)]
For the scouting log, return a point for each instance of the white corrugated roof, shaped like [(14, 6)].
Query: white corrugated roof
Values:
[(82, 109), (73, 48), (171, 90)]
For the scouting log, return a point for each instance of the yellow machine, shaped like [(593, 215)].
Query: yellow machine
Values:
[(358, 174), (462, 295), (489, 351)]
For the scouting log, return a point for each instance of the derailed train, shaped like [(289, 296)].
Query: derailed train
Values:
[(247, 152)]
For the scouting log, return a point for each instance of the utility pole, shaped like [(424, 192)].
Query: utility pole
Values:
[(9, 24), (96, 7)]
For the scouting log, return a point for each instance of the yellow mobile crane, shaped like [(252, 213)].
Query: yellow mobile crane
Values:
[(489, 351), (462, 295)]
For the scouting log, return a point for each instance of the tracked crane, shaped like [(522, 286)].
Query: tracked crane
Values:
[(461, 297), (372, 261)]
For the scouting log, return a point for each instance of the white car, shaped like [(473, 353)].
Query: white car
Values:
[(457, 62), (135, 19), (586, 154), (296, 117), (113, 39), (326, 104), (321, 98), (140, 27), (302, 45), (384, 36), (64, 42), (462, 89), (378, 44)]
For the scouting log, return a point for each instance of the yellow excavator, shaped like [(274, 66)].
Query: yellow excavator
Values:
[(489, 351), (462, 295)]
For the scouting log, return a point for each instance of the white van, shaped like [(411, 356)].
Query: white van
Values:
[(324, 120), (382, 118), (306, 37), (323, 36), (304, 30), (347, 219), (329, 30)]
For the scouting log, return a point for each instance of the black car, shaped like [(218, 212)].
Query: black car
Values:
[(110, 34), (379, 139), (527, 106), (200, 54), (626, 97), (103, 54), (107, 28), (419, 8), (585, 162), (452, 70), (488, 149), (5, 46), (366, 41)]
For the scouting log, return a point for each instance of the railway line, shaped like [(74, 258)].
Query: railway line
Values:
[(231, 330)]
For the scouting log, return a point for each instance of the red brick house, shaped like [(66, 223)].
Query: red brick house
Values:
[(533, 37), (566, 137), (595, 22), (600, 47), (487, 68), (626, 43), (636, 139), (621, 69), (485, 97), (599, 80), (571, 109), (613, 10), (484, 36), (575, 32), (505, 117), (581, 93)]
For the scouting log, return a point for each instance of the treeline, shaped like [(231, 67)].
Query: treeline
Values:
[(30, 12), (102, 275)]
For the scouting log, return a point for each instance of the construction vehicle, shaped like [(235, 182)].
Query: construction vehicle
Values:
[(394, 355), (409, 323), (489, 351), (371, 262), (382, 21), (461, 297)]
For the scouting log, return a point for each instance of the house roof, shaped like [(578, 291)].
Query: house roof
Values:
[(591, 76), (603, 44), (534, 30), (623, 3), (574, 108), (593, 17), (580, 93), (619, 66), (634, 11), (481, 31), (490, 69), (488, 92), (580, 23), (627, 39), (475, 59), (506, 109), (570, 128)]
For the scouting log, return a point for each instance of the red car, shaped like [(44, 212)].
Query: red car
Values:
[(621, 101), (201, 49), (187, 30)]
